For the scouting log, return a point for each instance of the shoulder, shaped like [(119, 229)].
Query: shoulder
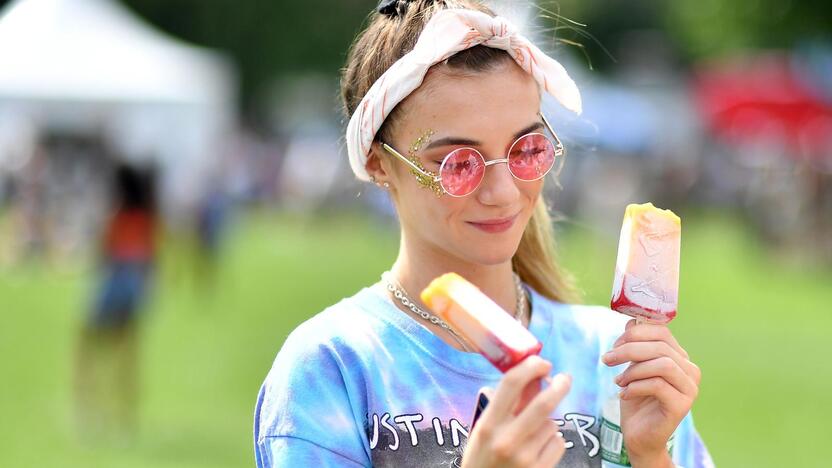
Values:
[(318, 374), (312, 404), (340, 328)]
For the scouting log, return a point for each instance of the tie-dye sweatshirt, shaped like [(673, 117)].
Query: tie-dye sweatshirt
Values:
[(364, 384)]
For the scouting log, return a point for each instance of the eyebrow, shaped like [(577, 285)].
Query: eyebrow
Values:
[(452, 141)]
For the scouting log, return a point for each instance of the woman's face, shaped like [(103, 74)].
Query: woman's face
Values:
[(487, 111)]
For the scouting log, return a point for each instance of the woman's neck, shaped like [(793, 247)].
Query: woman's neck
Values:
[(416, 267)]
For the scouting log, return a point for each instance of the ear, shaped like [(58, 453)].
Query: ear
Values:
[(377, 165)]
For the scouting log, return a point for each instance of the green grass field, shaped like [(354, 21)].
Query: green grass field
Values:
[(760, 330)]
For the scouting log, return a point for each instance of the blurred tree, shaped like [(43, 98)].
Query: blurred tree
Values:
[(268, 38), (715, 27), (695, 30), (265, 38)]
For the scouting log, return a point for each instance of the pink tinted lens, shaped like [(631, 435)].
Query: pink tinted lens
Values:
[(531, 157), (462, 171)]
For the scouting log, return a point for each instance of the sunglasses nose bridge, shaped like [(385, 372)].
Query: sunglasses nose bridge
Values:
[(496, 161), (498, 175)]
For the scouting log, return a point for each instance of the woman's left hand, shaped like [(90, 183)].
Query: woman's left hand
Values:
[(658, 390)]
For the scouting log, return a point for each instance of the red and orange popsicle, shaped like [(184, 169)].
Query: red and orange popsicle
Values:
[(484, 324)]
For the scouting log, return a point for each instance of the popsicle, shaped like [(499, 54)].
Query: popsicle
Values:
[(494, 333), (646, 281)]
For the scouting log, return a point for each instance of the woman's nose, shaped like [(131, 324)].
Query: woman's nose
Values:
[(498, 186)]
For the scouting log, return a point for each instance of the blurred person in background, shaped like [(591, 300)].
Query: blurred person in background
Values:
[(34, 224), (211, 218), (432, 87), (106, 378)]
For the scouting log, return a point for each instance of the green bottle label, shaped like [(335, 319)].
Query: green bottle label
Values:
[(612, 444)]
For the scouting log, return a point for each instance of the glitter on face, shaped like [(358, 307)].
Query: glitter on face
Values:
[(423, 181)]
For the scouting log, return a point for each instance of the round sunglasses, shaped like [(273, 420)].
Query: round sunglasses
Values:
[(461, 172)]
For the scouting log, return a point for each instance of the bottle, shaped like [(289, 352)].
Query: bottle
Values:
[(613, 451)]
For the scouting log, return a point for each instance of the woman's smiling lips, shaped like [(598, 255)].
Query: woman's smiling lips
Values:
[(494, 225)]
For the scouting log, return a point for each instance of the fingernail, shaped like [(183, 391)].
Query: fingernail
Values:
[(619, 378), (622, 394), (607, 356), (562, 376)]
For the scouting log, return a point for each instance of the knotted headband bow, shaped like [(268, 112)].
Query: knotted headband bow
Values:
[(447, 33)]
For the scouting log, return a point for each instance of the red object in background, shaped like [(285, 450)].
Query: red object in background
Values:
[(130, 235), (762, 99)]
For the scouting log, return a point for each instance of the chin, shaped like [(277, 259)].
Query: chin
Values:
[(491, 249), (493, 255)]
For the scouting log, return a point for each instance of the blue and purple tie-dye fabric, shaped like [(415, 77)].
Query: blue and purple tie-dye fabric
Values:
[(364, 384)]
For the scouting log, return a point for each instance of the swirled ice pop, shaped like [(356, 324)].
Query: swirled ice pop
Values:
[(483, 323), (646, 281)]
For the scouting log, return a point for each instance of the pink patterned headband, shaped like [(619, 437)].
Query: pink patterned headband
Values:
[(447, 33)]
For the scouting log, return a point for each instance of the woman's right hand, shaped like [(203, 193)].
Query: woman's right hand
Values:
[(510, 435)]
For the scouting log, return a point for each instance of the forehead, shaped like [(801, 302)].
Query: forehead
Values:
[(485, 104)]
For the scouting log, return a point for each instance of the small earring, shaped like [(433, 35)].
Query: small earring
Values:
[(386, 185), (373, 179)]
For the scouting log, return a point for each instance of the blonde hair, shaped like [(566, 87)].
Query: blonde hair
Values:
[(388, 38)]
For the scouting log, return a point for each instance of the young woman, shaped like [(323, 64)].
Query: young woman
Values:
[(444, 104)]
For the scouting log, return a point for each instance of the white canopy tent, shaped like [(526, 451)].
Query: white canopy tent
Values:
[(92, 66)]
